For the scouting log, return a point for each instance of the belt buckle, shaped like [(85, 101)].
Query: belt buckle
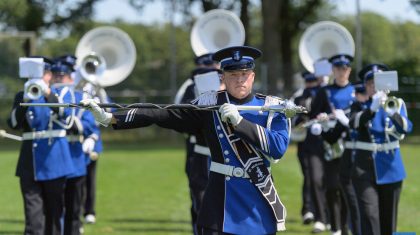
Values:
[(238, 172)]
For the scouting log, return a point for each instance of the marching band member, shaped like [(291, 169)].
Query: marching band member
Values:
[(89, 91), (240, 197), (44, 160), (198, 154), (379, 170), (346, 163), (312, 147), (305, 148), (81, 137), (338, 96)]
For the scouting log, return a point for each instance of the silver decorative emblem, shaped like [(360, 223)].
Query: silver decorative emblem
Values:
[(237, 55), (260, 173), (238, 172)]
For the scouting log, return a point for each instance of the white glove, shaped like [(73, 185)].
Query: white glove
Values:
[(229, 112), (322, 117), (341, 117), (316, 129), (100, 115), (88, 145), (377, 100)]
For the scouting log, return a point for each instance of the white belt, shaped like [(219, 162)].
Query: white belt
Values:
[(43, 134), (201, 150), (228, 170), (372, 146), (75, 138)]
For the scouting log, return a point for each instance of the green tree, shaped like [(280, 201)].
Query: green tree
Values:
[(35, 15), (284, 26)]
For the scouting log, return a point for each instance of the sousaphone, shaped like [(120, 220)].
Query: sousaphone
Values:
[(215, 30), (106, 56), (323, 40)]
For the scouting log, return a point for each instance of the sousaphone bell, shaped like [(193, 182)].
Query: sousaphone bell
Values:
[(106, 56), (323, 40), (215, 30)]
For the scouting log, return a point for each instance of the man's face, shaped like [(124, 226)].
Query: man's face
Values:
[(238, 82), (370, 87), (341, 73), (62, 78), (47, 77)]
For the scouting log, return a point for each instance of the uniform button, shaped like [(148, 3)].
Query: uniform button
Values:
[(250, 181), (227, 160), (220, 135), (226, 152), (227, 178), (35, 145), (218, 127)]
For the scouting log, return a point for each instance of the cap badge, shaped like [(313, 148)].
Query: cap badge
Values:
[(237, 55)]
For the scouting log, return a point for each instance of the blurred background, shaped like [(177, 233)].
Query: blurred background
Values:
[(389, 32)]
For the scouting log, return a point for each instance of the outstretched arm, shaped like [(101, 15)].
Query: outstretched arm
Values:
[(179, 120)]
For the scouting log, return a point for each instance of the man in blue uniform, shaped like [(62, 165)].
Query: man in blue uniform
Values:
[(81, 137), (331, 99), (240, 197), (44, 160), (379, 170), (305, 150), (346, 163), (99, 94)]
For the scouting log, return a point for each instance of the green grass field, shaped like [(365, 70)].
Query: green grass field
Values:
[(143, 190)]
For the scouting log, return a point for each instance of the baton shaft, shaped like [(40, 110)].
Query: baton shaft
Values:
[(162, 106)]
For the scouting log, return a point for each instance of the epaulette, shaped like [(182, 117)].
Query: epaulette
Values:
[(269, 97)]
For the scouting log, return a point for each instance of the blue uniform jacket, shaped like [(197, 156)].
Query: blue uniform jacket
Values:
[(51, 155), (273, 144), (387, 165), (83, 125), (332, 97)]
